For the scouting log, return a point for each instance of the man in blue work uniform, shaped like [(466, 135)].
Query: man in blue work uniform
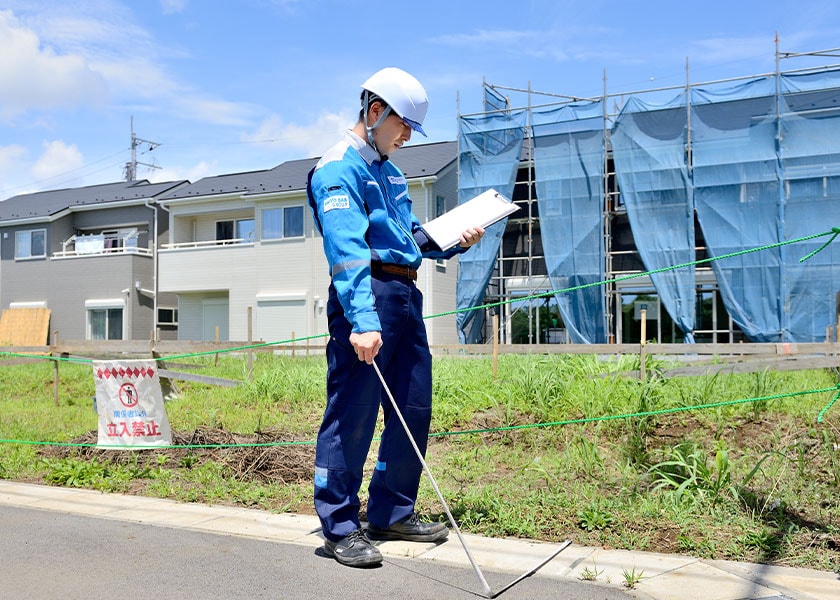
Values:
[(374, 244)]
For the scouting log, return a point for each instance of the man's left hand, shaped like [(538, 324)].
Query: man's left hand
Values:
[(471, 236)]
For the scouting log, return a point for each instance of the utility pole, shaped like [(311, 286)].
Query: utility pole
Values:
[(131, 166)]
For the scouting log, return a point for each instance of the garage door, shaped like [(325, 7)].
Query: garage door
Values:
[(277, 320)]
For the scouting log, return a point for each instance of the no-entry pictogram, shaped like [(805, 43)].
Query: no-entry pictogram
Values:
[(128, 395)]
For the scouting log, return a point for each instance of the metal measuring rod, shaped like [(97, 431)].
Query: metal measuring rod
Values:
[(488, 593)]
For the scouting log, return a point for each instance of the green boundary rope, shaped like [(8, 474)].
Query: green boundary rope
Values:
[(833, 232), (827, 407), (580, 421)]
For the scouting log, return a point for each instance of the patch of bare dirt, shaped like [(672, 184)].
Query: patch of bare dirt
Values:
[(268, 456)]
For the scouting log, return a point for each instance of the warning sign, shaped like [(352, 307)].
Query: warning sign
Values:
[(130, 405)]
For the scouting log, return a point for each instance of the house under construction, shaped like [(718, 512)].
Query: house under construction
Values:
[(689, 203)]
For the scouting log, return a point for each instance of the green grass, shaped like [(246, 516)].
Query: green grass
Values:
[(755, 481)]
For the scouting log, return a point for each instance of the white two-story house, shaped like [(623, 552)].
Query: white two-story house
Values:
[(244, 255)]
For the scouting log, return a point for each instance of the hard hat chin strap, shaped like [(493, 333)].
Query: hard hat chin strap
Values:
[(382, 117)]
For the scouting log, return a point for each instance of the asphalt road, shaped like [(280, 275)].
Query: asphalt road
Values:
[(49, 555)]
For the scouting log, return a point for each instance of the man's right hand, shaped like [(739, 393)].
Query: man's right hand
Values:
[(367, 345)]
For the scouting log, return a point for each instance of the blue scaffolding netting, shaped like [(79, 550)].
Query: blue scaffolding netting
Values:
[(489, 150), (649, 152), (756, 163), (569, 174)]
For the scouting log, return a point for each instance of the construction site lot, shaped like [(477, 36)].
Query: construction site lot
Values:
[(687, 455)]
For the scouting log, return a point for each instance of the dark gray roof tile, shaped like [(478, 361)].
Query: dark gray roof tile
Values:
[(423, 160), (415, 161), (50, 202)]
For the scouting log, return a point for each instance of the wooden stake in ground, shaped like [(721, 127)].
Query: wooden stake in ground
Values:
[(495, 345), (642, 373)]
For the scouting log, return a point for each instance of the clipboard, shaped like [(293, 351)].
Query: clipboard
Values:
[(484, 210)]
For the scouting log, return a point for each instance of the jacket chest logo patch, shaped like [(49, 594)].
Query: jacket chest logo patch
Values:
[(394, 180)]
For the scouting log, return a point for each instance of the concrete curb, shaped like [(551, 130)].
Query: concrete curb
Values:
[(661, 576)]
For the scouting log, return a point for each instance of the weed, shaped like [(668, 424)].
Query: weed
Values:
[(707, 390), (593, 517), (72, 472), (762, 388), (687, 474), (591, 575), (766, 540), (631, 578), (189, 460), (586, 456), (541, 383), (471, 513), (831, 448), (704, 548), (635, 449)]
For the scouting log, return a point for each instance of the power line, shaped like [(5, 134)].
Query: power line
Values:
[(60, 176)]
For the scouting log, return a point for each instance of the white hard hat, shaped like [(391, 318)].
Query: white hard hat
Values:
[(402, 92)]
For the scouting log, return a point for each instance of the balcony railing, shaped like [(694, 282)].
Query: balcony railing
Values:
[(109, 243), (103, 252), (208, 244)]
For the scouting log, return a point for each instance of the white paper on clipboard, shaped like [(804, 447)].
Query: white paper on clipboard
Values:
[(485, 209)]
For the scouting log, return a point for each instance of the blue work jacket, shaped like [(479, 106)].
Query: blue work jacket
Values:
[(362, 209)]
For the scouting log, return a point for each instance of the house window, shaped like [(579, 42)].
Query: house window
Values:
[(125, 239), (278, 223), (105, 323), (31, 244), (440, 205), (167, 316), (239, 230)]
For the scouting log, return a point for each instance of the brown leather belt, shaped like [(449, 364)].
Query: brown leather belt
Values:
[(403, 271)]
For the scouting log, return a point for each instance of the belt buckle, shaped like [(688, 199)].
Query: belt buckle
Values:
[(404, 271)]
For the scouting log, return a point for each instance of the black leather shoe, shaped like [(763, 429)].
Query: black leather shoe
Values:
[(353, 550), (410, 530)]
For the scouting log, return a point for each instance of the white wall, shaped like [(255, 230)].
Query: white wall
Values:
[(283, 281)]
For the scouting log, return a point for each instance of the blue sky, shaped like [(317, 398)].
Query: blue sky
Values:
[(226, 86)]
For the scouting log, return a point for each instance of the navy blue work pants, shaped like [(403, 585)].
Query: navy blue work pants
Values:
[(354, 396)]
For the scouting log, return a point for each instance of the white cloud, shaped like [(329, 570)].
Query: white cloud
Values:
[(311, 139), (11, 157), (191, 173), (555, 44), (722, 50), (534, 44), (57, 159), (95, 29), (288, 6), (214, 110), (171, 7), (12, 162), (57, 165), (97, 53), (487, 37), (34, 77)]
